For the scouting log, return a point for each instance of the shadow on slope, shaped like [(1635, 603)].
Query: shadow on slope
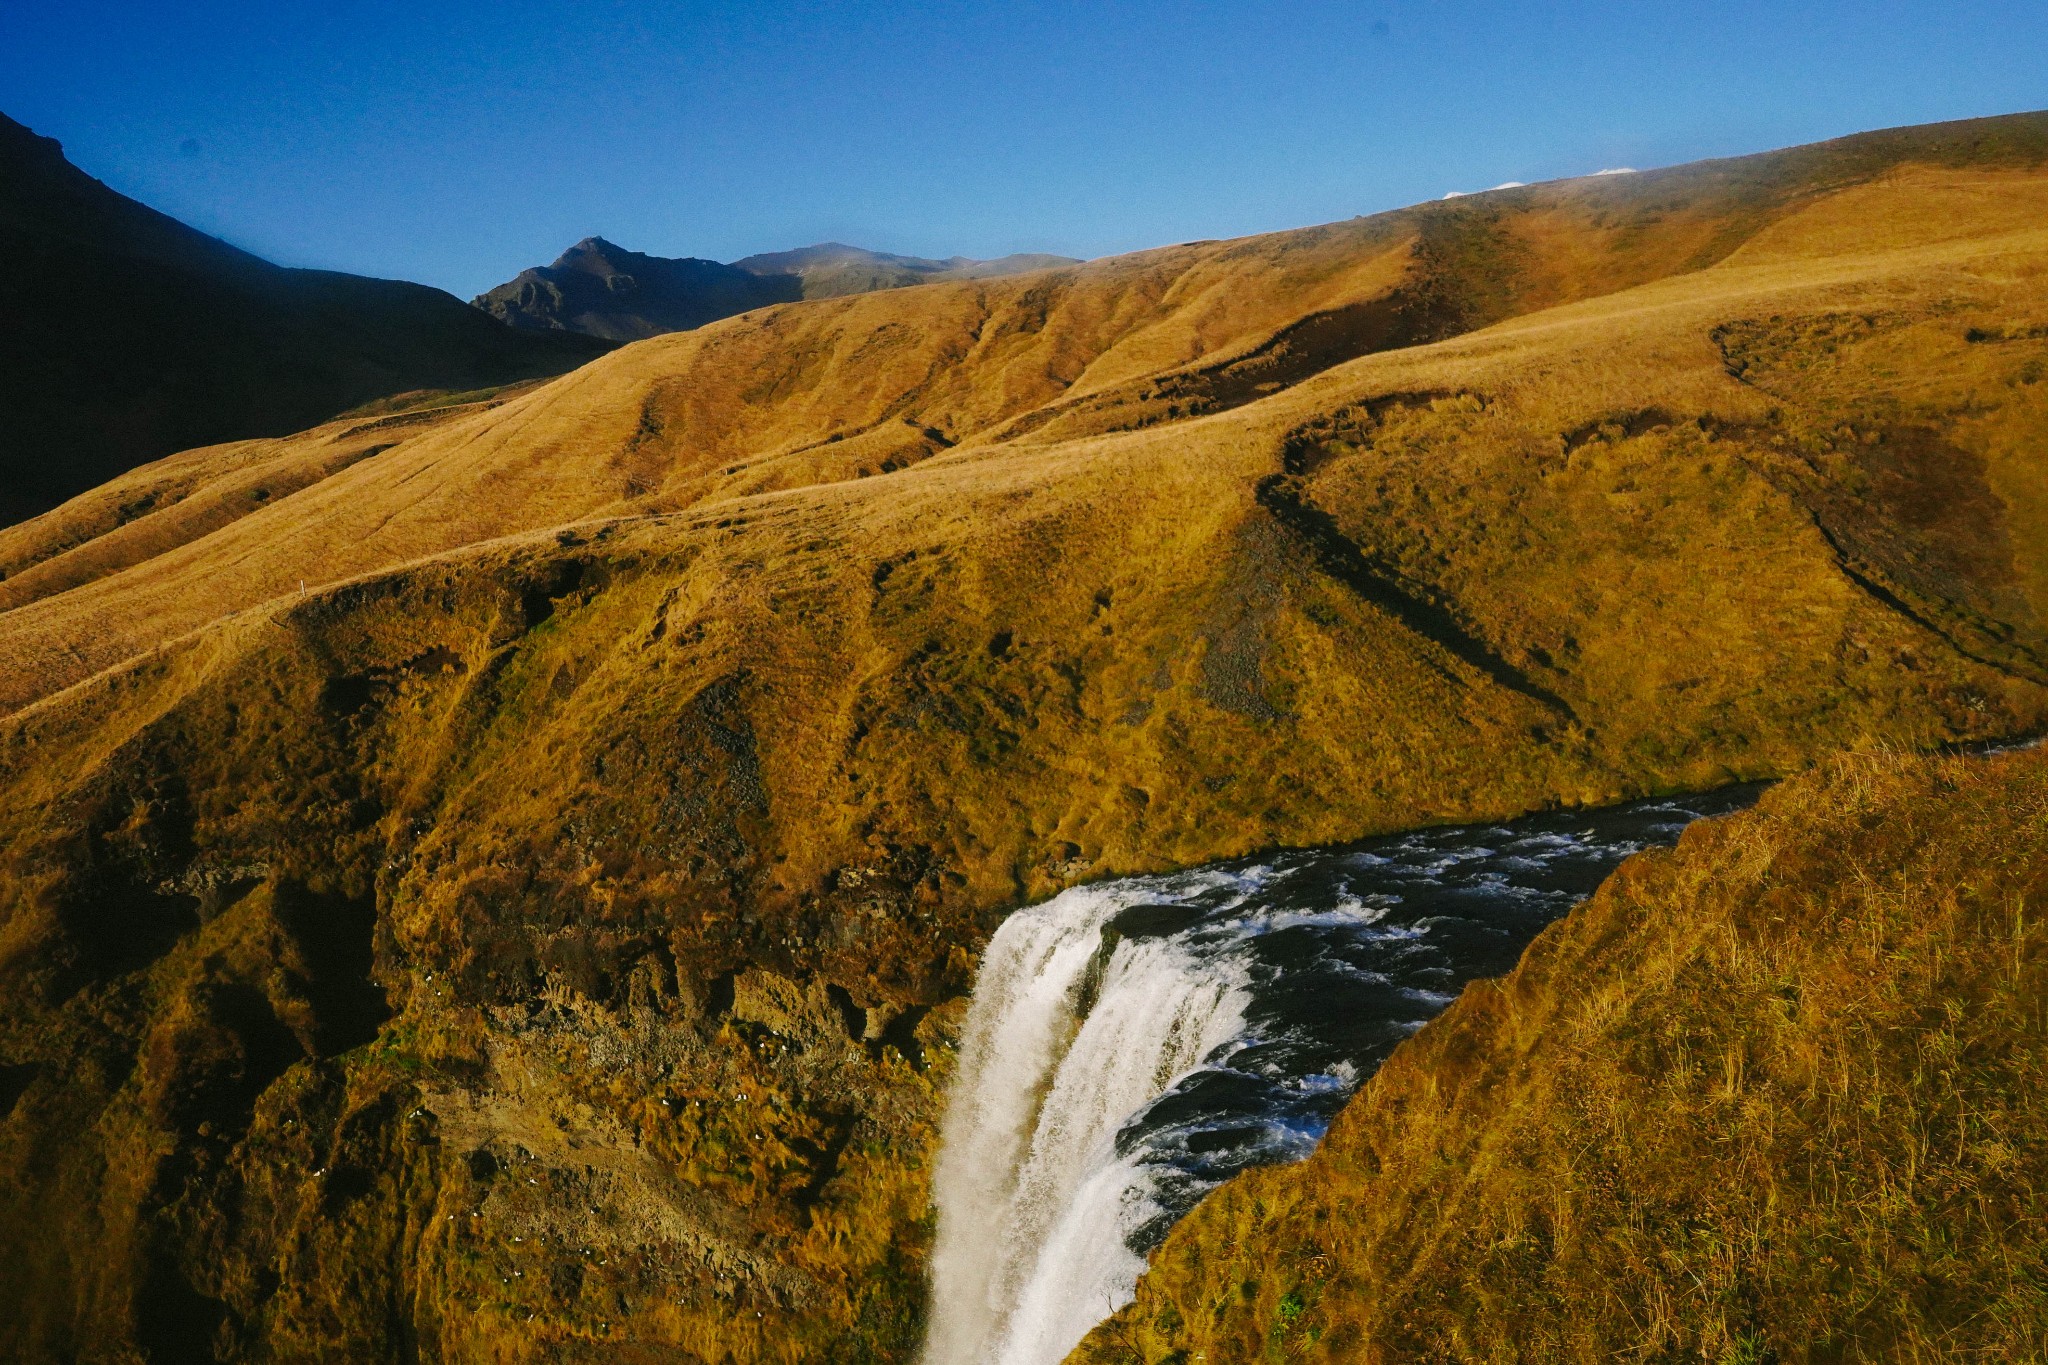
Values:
[(131, 336)]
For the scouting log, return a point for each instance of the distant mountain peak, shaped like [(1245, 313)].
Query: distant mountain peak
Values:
[(599, 247), (606, 290)]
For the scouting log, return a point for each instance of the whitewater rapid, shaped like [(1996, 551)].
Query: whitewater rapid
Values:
[(1133, 1043)]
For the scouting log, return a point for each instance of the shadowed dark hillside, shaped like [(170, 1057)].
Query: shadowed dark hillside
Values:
[(129, 335), (604, 290)]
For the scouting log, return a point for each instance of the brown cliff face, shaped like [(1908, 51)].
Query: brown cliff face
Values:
[(542, 936)]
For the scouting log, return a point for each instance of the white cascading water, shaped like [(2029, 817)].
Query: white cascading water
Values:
[(1035, 1205), (1133, 1044)]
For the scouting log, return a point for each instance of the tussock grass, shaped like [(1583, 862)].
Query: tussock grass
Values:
[(1776, 1094)]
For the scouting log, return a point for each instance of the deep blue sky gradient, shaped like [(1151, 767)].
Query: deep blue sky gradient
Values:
[(457, 143)]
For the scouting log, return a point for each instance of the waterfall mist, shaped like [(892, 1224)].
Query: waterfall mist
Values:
[(1067, 1037)]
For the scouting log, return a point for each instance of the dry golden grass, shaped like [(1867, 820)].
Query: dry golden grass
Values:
[(842, 389), (611, 697), (1776, 1095)]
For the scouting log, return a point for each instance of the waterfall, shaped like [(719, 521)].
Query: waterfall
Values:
[(1132, 1044), (1067, 1037)]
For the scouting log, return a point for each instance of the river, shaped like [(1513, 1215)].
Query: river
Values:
[(1133, 1043)]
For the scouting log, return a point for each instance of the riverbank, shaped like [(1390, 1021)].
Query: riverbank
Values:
[(1775, 1095)]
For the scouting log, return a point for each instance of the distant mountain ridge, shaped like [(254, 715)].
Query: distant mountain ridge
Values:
[(833, 269), (603, 290), (130, 335)]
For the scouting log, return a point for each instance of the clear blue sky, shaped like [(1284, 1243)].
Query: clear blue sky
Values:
[(456, 143)]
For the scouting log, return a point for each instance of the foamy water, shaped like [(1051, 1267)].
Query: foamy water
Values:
[(1133, 1043)]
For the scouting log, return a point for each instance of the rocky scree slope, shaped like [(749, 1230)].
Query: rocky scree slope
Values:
[(542, 938)]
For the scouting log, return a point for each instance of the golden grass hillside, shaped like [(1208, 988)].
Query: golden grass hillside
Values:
[(1774, 1095), (541, 937), (840, 389)]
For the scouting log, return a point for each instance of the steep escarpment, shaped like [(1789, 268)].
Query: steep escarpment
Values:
[(541, 933), (1773, 1095)]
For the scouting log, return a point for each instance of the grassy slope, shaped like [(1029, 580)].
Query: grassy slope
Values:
[(813, 393), (718, 800), (1777, 1095), (157, 507)]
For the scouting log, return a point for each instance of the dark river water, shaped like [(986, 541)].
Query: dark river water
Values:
[(1133, 1043)]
